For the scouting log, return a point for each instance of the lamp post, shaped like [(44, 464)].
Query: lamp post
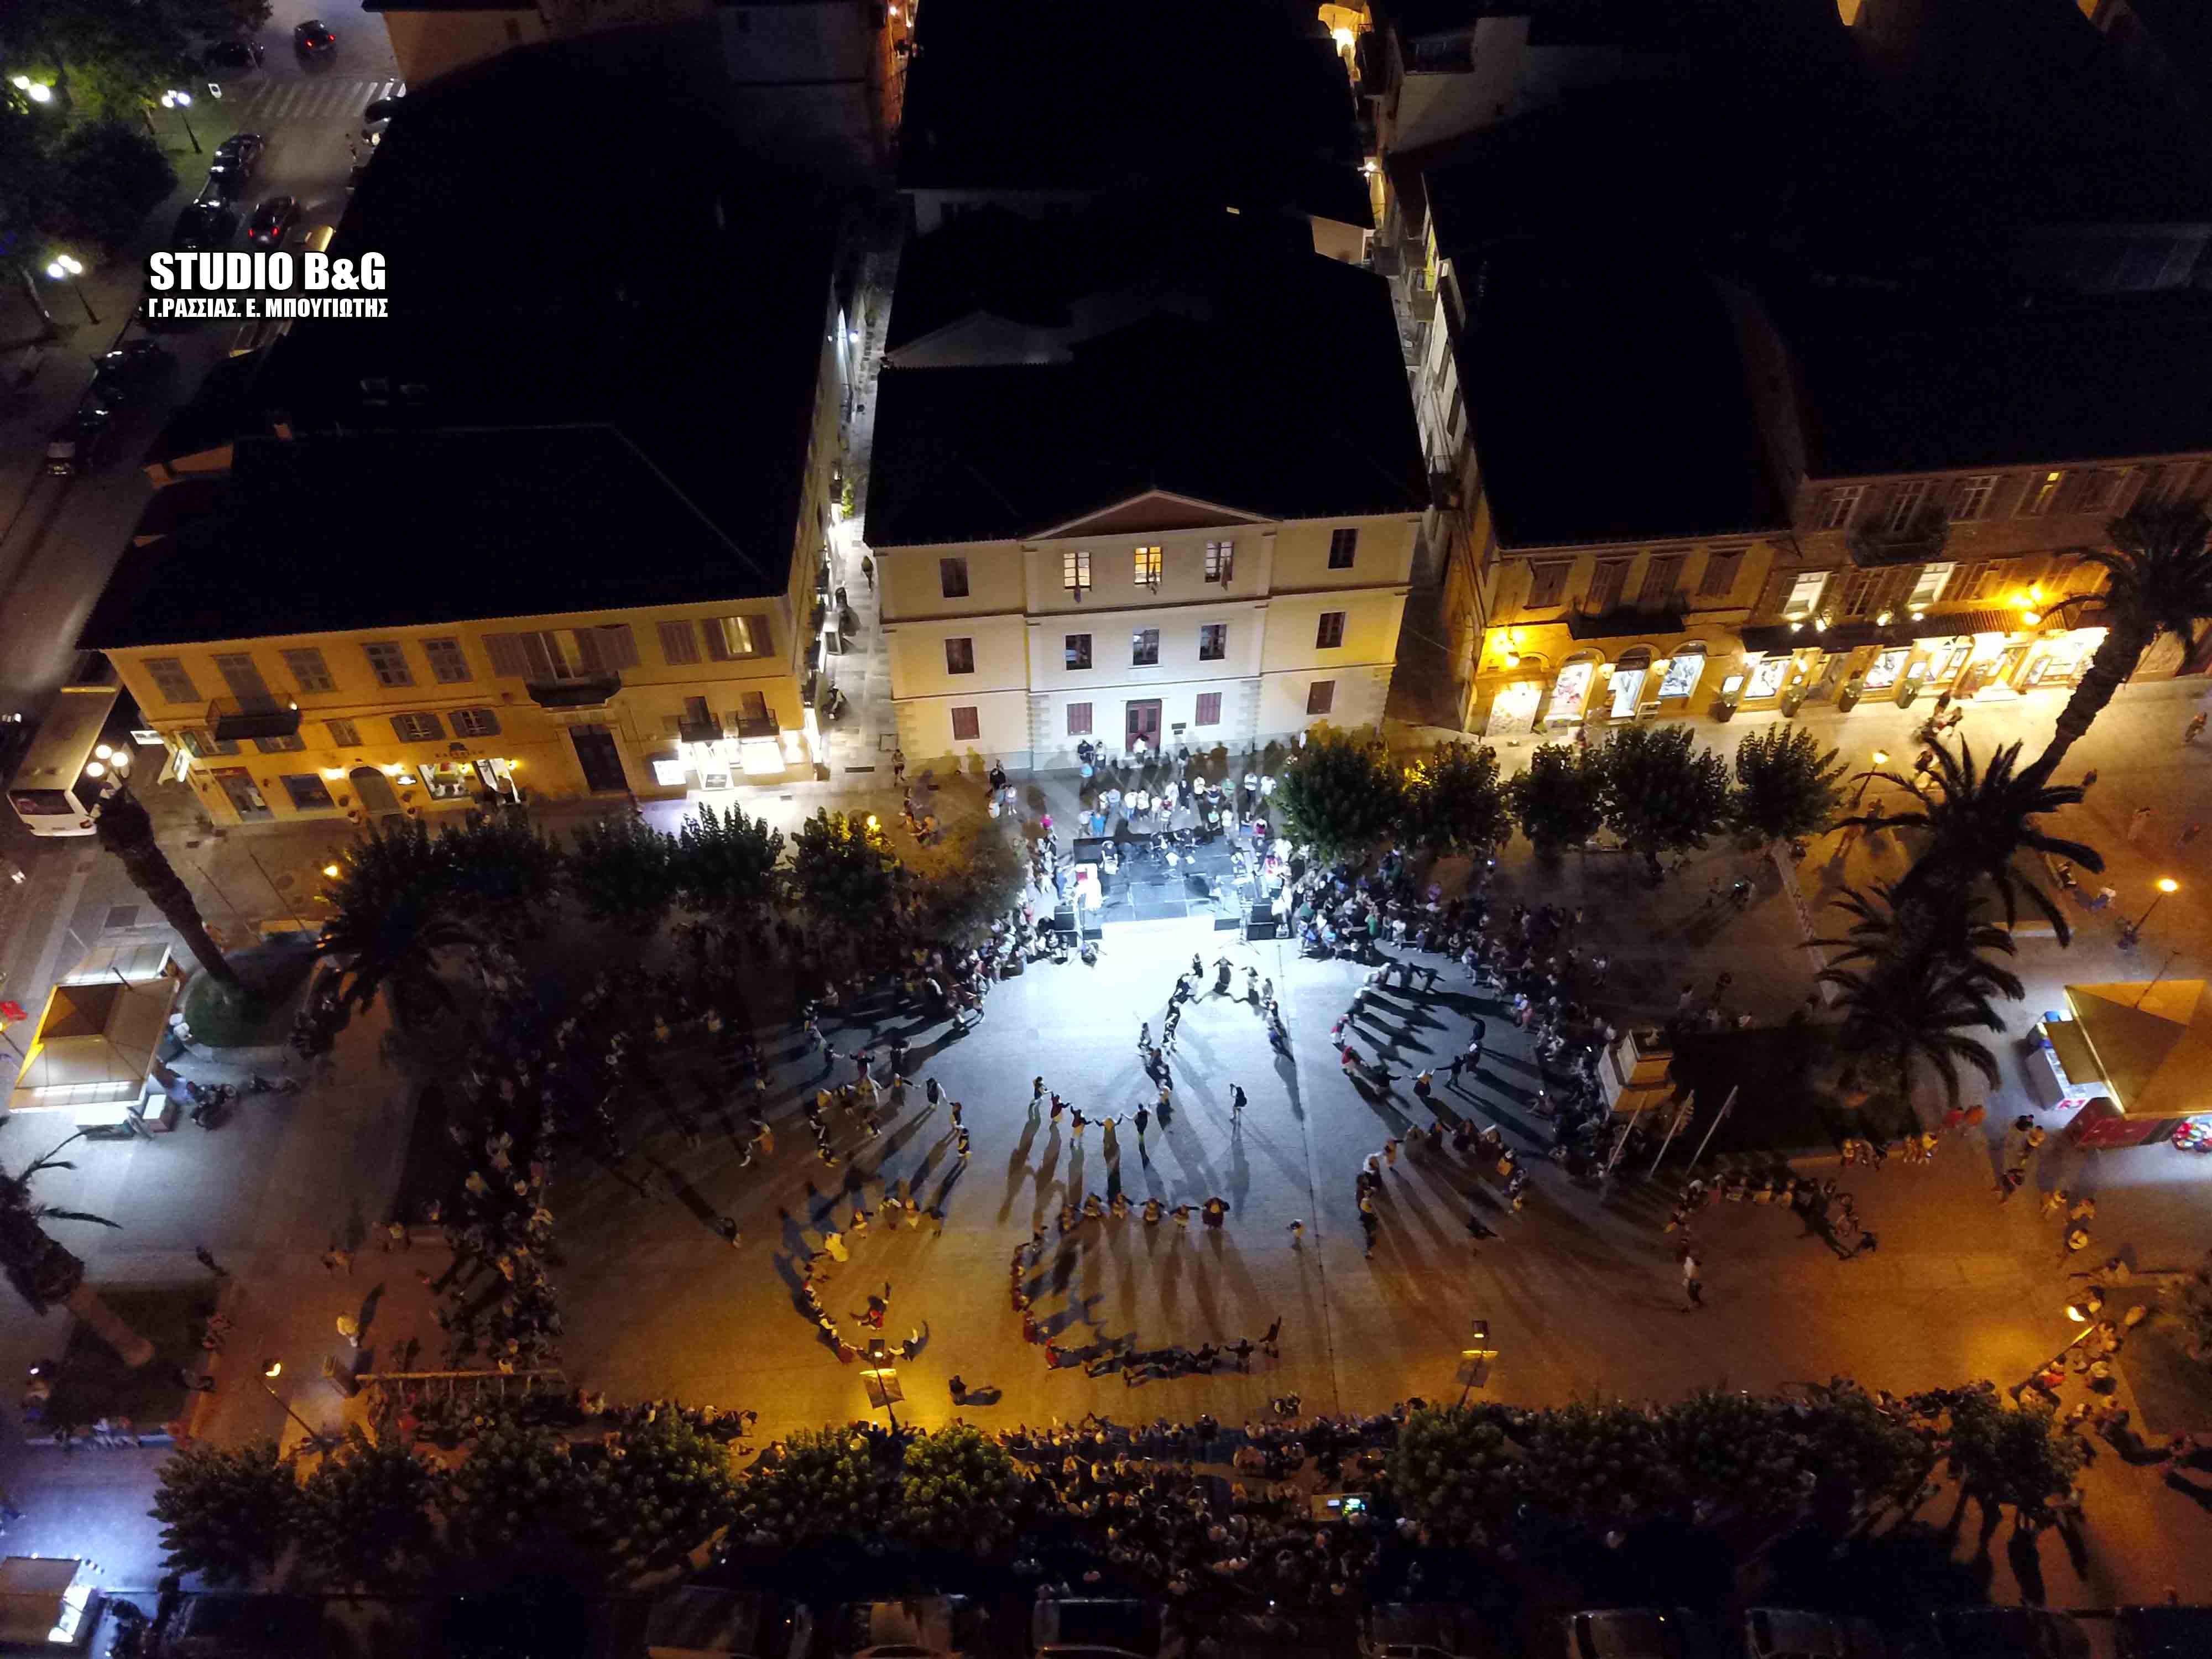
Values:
[(38, 92), (180, 101), (1880, 759), (271, 1369), (64, 269), (2132, 931)]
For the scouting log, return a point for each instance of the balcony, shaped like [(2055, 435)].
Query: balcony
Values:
[(1921, 540), (591, 691), (241, 719), (751, 728), (706, 731)]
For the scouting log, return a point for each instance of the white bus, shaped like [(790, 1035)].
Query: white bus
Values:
[(61, 775)]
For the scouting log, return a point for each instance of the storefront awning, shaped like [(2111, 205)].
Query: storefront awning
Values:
[(1848, 636), (2150, 1043)]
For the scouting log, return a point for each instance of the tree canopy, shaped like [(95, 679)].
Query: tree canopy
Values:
[(1662, 792), (1456, 801), (1559, 801), (1787, 786), (1340, 793), (226, 1511)]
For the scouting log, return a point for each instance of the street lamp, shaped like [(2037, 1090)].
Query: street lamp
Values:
[(271, 1370), (2132, 931), (179, 101), (63, 269), (37, 91), (1880, 759)]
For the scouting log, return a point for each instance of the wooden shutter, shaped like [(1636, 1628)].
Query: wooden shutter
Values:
[(507, 661), (718, 640), (679, 643), (617, 645)]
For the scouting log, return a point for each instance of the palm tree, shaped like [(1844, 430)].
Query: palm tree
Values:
[(43, 1272), (1915, 981), (1978, 821), (393, 915), (2161, 583), (124, 829)]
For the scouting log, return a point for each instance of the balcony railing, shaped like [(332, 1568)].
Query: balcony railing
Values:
[(1920, 540), (241, 719), (749, 726), (584, 691)]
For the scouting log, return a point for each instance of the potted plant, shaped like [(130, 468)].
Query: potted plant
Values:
[(1724, 707), (1848, 698), (1793, 698), (1906, 692)]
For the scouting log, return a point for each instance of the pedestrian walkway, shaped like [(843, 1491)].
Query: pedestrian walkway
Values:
[(273, 104)]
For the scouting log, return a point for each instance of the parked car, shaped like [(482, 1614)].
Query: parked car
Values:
[(1425, 1630), (1788, 1633), (271, 220), (227, 58), (118, 375), (2008, 1633), (75, 446), (241, 150), (226, 183), (694, 1620), (204, 227), (920, 1628), (1626, 1633), (1095, 1628), (313, 39)]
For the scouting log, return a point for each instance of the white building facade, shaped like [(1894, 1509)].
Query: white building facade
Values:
[(1163, 618)]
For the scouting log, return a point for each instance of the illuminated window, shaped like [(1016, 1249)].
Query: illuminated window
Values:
[(960, 656), (1148, 567), (1075, 572), (730, 639), (2042, 492), (1330, 634), (1221, 560), (416, 728), (388, 663)]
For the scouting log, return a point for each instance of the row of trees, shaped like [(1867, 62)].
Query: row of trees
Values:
[(1471, 1474), (1652, 786), (404, 894), (526, 1502)]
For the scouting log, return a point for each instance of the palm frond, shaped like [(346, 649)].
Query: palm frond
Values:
[(48, 1212)]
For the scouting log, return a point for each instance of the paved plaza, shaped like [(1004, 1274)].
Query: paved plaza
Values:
[(1583, 1298)]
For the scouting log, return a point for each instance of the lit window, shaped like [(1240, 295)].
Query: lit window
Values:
[(1075, 572), (1148, 567), (730, 639)]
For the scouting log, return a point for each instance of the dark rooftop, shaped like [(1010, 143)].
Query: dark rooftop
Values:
[(1904, 383), (1236, 102), (1607, 404), (1281, 392), (377, 530), (549, 264)]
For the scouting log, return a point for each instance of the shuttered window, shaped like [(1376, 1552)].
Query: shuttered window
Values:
[(679, 643), (1079, 720), (506, 658), (617, 645), (1209, 710), (416, 728), (170, 679)]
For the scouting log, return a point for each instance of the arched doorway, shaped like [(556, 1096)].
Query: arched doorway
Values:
[(1571, 690), (375, 790), (1628, 676)]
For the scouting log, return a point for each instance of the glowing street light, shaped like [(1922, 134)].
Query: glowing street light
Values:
[(37, 91), (2132, 931), (1880, 759), (62, 268), (271, 1370), (180, 101)]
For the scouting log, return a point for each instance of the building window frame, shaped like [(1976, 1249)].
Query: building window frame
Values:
[(418, 725), (1321, 698), (1213, 641), (1724, 569), (1547, 584), (1207, 711), (308, 669), (960, 654), (387, 664), (308, 792), (1148, 565), (1075, 652), (970, 717), (1344, 547), (1221, 562), (1975, 493), (449, 664), (1075, 571), (1328, 631), (474, 722), (2042, 493), (1079, 720), (1145, 647), (953, 577), (1839, 505), (171, 680)]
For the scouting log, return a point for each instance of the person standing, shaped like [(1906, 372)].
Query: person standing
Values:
[(2195, 729), (2138, 821), (1297, 1232), (1693, 1286), (1236, 1099)]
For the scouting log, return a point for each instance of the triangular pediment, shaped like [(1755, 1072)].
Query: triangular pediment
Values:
[(1155, 510)]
